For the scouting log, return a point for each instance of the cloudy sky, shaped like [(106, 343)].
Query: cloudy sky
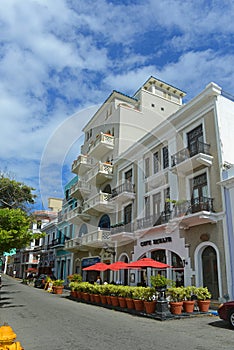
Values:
[(59, 60)]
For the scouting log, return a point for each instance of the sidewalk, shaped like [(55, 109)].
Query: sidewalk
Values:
[(154, 316)]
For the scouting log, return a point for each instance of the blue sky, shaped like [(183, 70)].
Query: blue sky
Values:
[(59, 60)]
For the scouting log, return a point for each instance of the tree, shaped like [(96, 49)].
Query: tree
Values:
[(14, 229), (15, 198), (14, 194)]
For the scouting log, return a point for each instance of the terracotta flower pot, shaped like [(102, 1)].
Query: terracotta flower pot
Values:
[(122, 302), (73, 293), (86, 296), (188, 305), (97, 298), (176, 307), (92, 298), (103, 299), (150, 306), (78, 295), (58, 289), (130, 303), (203, 305), (108, 299), (139, 304), (114, 301)]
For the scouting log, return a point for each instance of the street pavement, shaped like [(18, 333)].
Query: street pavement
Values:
[(46, 321)]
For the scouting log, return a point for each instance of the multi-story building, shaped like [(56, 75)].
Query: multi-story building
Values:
[(65, 231), (148, 177), (30, 259), (116, 126)]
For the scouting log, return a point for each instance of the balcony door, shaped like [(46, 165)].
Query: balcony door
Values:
[(194, 137), (128, 216), (156, 208), (199, 198)]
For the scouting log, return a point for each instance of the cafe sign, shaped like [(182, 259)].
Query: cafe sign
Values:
[(156, 241)]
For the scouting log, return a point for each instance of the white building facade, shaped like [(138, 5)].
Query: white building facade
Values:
[(148, 177)]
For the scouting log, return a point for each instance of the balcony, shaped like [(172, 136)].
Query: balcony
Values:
[(94, 239), (80, 190), (124, 233), (196, 212), (101, 173), (77, 215), (58, 242), (97, 204), (151, 221), (187, 160), (103, 144), (82, 164), (72, 244), (123, 193)]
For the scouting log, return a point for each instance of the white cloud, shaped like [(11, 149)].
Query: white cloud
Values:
[(57, 58)]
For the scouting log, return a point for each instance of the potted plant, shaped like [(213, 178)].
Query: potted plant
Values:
[(72, 288), (104, 291), (123, 293), (138, 298), (203, 298), (188, 303), (76, 277), (58, 286), (176, 295), (114, 295), (129, 297), (149, 300), (180, 206), (160, 283)]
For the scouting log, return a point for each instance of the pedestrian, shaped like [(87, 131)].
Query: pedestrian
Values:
[(99, 280), (0, 281)]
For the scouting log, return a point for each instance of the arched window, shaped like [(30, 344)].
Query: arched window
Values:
[(107, 189), (104, 222)]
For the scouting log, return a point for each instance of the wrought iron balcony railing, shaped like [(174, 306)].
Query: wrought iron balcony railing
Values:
[(186, 153), (153, 220)]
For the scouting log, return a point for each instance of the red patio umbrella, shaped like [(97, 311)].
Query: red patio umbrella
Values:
[(148, 262), (97, 267), (118, 265)]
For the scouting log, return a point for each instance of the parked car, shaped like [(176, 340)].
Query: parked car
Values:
[(40, 281), (226, 312)]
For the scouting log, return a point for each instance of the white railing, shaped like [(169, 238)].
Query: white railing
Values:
[(100, 198)]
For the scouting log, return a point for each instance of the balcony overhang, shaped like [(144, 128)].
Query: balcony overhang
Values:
[(123, 238), (123, 197), (76, 216), (102, 145), (80, 190), (72, 244), (190, 164), (101, 173), (81, 165), (95, 239), (196, 219), (97, 204)]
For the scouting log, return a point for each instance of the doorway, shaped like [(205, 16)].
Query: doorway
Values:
[(210, 272)]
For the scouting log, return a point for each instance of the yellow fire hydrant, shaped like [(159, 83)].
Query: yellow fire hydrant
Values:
[(7, 339)]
